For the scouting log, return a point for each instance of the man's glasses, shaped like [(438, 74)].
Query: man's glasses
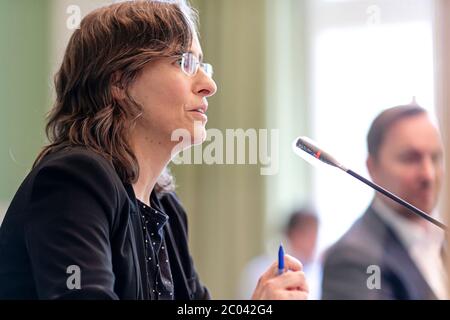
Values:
[(189, 65)]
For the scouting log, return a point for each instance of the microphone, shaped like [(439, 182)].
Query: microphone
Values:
[(307, 145)]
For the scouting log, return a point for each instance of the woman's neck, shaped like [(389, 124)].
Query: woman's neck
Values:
[(152, 156)]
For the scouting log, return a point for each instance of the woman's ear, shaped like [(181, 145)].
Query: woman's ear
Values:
[(117, 88)]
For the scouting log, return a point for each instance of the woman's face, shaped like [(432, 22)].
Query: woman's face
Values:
[(171, 100)]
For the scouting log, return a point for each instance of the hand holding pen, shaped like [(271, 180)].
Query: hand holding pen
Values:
[(275, 284)]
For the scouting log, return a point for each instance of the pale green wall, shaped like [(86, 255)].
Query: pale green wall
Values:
[(257, 48), (225, 203), (24, 89)]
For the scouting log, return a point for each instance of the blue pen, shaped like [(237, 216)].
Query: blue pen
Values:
[(280, 259)]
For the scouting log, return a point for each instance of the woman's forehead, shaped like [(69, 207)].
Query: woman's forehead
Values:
[(196, 48)]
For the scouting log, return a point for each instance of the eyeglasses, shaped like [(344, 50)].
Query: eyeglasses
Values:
[(189, 65)]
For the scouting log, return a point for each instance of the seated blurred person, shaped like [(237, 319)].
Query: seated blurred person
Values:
[(390, 252), (300, 237)]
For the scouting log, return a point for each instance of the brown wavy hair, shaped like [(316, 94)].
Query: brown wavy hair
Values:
[(110, 48)]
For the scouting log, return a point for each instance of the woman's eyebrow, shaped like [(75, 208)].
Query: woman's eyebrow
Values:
[(200, 55)]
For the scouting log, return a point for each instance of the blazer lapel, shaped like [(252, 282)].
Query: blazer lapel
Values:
[(398, 259)]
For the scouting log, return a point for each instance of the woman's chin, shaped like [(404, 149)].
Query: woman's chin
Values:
[(199, 135)]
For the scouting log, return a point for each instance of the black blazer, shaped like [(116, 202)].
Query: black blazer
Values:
[(371, 242), (73, 210)]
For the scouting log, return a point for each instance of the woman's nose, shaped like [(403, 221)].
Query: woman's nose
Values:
[(206, 86)]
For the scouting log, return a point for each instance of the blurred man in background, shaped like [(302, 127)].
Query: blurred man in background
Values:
[(300, 235), (391, 253)]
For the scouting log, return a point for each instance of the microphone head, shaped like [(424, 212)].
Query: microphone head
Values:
[(308, 146)]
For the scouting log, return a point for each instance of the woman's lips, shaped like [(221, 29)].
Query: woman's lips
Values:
[(199, 114)]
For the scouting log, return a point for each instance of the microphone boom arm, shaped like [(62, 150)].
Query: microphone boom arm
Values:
[(398, 200), (308, 146)]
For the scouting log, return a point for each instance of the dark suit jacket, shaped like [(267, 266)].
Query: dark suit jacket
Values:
[(371, 242), (73, 210)]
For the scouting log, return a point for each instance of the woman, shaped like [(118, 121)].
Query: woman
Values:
[(97, 216)]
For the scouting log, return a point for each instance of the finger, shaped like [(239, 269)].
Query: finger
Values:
[(291, 263), (293, 295), (295, 280), (270, 273)]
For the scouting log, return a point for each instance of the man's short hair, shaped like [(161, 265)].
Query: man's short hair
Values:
[(384, 122), (301, 218)]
